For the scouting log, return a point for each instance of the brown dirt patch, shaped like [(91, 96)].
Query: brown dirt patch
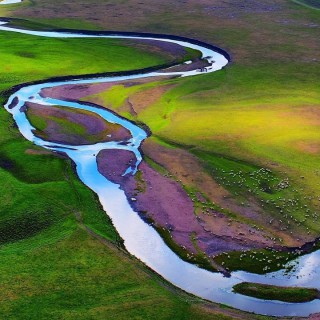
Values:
[(308, 147), (141, 100), (187, 169), (309, 115), (75, 127), (88, 91), (165, 201), (74, 92), (38, 152)]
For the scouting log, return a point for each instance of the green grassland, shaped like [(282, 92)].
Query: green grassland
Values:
[(68, 127), (262, 111), (267, 292), (262, 291), (28, 58), (222, 123), (255, 139), (61, 256)]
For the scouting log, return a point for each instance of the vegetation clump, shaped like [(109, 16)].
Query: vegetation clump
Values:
[(268, 292)]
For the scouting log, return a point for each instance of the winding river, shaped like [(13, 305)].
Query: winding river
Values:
[(140, 239)]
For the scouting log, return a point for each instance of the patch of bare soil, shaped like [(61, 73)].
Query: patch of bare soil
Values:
[(164, 201), (79, 91), (308, 147), (75, 127), (139, 101), (38, 152), (74, 92), (187, 168)]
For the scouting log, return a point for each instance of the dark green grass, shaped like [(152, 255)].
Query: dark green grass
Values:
[(267, 292), (315, 4), (25, 167), (24, 226), (256, 261)]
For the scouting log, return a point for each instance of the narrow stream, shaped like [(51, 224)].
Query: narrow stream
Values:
[(141, 239), (10, 1)]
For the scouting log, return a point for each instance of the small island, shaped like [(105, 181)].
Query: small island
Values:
[(269, 292)]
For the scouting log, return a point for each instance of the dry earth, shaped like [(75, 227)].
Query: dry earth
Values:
[(91, 126)]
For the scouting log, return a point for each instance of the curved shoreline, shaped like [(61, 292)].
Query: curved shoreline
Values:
[(140, 239)]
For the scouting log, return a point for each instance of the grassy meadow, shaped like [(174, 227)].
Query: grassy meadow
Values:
[(262, 111), (27, 58), (61, 256), (262, 291), (213, 117)]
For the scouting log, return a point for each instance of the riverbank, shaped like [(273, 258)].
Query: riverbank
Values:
[(62, 125)]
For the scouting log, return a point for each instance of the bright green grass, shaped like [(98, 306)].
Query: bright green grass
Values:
[(239, 113), (42, 184), (213, 100), (117, 95), (238, 121), (266, 292), (78, 277), (26, 58), (244, 113), (51, 268), (44, 188)]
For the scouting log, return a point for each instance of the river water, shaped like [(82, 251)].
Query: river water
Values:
[(10, 1), (140, 239)]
